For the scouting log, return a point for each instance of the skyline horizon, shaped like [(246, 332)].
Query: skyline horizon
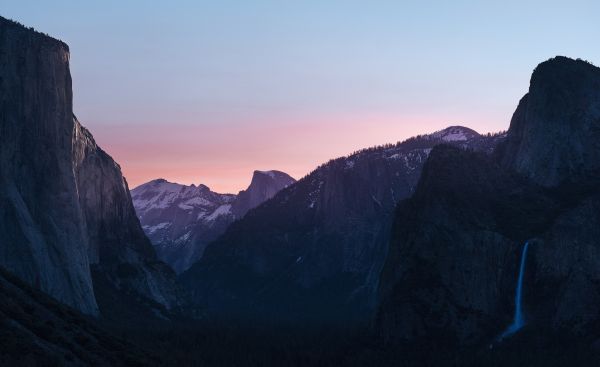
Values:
[(297, 178), (203, 92)]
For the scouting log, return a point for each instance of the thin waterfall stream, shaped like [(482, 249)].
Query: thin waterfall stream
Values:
[(518, 320)]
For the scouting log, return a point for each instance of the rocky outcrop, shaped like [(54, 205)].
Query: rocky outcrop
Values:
[(452, 270), (64, 202), (315, 250), (181, 220), (264, 185), (117, 245), (554, 136)]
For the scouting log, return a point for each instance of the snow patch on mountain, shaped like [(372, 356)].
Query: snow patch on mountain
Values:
[(222, 210), (454, 134), (152, 229), (197, 201)]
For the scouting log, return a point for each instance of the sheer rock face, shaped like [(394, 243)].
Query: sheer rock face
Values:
[(42, 235), (181, 220), (264, 185), (564, 282), (64, 203), (113, 229), (454, 254), (554, 135), (452, 270), (315, 250), (117, 244)]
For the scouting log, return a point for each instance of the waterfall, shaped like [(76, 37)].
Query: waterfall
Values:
[(518, 321)]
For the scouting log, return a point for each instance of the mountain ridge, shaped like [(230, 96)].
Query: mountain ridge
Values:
[(323, 238), (181, 219)]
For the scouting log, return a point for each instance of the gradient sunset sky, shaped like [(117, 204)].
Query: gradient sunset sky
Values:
[(208, 91)]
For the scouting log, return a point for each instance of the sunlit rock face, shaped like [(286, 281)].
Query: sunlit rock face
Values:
[(181, 220), (118, 249), (453, 264), (315, 250), (64, 203)]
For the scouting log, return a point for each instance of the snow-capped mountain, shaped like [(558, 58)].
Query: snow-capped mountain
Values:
[(454, 134), (181, 220)]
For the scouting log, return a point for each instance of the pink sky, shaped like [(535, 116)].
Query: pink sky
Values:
[(224, 156), (207, 92)]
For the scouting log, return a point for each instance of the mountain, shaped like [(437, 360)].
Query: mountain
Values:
[(264, 185), (176, 217), (314, 251), (457, 273), (66, 216), (181, 220)]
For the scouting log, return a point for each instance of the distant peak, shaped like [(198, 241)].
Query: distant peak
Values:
[(455, 133), (202, 187), (273, 174), (260, 178), (459, 128), (150, 184)]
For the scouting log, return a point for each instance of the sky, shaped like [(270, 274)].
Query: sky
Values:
[(209, 91)]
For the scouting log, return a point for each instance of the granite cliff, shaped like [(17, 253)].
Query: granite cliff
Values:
[(64, 204)]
